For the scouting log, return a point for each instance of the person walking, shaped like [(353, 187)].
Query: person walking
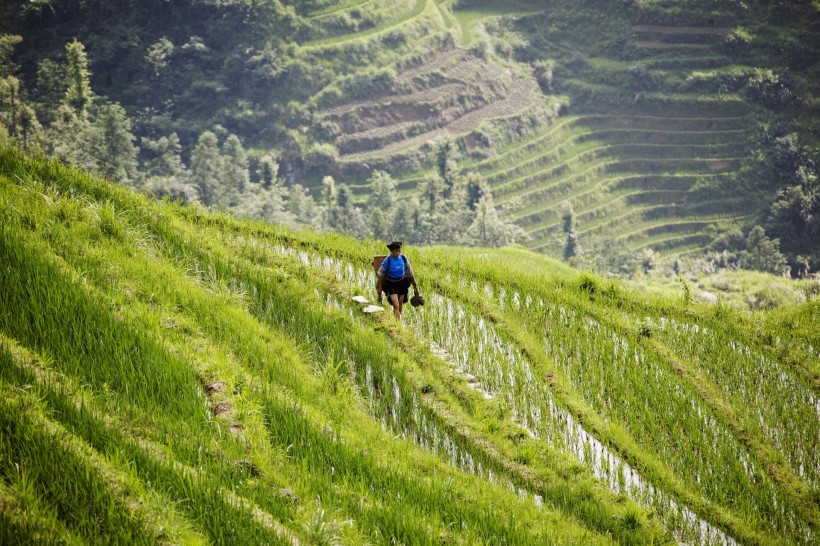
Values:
[(395, 278)]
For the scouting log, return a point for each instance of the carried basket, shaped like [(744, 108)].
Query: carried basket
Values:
[(377, 263)]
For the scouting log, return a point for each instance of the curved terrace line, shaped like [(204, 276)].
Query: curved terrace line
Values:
[(519, 181), (421, 7), (607, 181), (511, 105), (332, 10), (583, 214), (580, 119), (595, 134)]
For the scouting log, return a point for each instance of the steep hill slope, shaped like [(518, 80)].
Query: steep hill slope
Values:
[(172, 375)]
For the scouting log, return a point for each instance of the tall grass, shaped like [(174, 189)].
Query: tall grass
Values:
[(236, 377), (222, 320)]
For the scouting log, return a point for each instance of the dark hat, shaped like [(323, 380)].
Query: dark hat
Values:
[(394, 244)]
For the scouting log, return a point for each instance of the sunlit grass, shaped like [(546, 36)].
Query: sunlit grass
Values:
[(219, 366)]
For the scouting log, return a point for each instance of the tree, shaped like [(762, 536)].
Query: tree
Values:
[(167, 160), (380, 203), (16, 116), (762, 253), (72, 126), (431, 221), (111, 144), (10, 104), (205, 168), (269, 199), (446, 166), (432, 188), (406, 218), (78, 95), (475, 189), (50, 90), (303, 208), (647, 258), (267, 171), (7, 43), (795, 213), (344, 206), (167, 174), (382, 190), (31, 132), (341, 214), (572, 248), (67, 138), (159, 55), (267, 204), (608, 256), (487, 229), (803, 266), (328, 202), (234, 174), (544, 74)]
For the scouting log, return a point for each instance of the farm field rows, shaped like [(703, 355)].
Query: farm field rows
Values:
[(599, 115), (221, 367)]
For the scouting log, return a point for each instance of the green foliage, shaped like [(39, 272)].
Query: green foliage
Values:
[(78, 93), (205, 168), (111, 143), (589, 285), (167, 156), (50, 89), (381, 205), (7, 44), (739, 41), (762, 253), (234, 176), (572, 248)]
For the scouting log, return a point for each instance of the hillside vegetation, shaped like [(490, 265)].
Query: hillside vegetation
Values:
[(172, 375), (607, 133)]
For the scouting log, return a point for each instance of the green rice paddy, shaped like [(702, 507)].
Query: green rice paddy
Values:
[(174, 375)]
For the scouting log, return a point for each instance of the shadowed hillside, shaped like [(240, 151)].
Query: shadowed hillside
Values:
[(172, 375)]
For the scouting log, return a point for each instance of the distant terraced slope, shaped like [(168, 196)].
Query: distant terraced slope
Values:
[(640, 117), (450, 93), (630, 154), (429, 89)]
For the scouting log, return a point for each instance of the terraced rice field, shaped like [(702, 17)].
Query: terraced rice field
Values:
[(450, 93), (651, 139), (612, 134), (170, 375)]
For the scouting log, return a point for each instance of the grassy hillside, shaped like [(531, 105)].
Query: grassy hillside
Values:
[(176, 376), (663, 125)]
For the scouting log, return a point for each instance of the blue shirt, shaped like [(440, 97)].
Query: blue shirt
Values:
[(398, 267)]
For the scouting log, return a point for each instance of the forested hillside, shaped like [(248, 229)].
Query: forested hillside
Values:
[(172, 375), (624, 136)]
